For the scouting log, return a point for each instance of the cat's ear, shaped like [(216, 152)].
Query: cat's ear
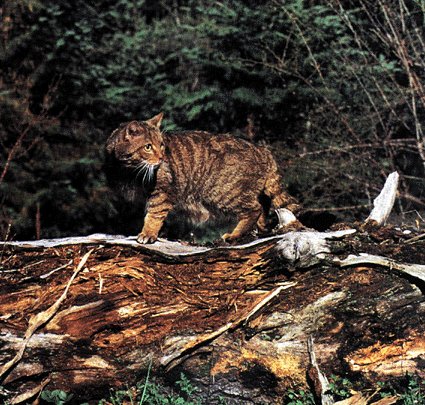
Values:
[(131, 128), (156, 121)]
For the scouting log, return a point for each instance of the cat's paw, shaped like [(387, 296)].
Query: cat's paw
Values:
[(145, 238), (228, 237)]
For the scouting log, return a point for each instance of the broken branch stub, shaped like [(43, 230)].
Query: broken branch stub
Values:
[(383, 204), (285, 217)]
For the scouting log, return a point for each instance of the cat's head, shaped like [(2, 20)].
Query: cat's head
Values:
[(138, 143)]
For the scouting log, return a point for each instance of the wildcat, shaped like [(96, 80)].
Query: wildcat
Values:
[(200, 173)]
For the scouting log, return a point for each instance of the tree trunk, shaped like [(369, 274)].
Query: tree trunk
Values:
[(244, 323)]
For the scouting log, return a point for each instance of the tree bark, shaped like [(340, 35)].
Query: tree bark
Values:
[(87, 314)]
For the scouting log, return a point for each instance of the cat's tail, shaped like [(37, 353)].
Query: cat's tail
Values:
[(273, 189)]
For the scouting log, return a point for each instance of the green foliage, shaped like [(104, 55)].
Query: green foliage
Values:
[(300, 397), (57, 397), (415, 392), (340, 387), (150, 393), (147, 392), (412, 392), (409, 392)]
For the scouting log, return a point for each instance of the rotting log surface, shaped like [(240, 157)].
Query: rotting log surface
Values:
[(131, 307)]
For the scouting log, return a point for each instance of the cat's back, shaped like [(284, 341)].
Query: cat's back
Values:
[(215, 170), (204, 147)]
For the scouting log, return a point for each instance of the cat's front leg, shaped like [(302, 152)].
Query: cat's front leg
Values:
[(157, 210)]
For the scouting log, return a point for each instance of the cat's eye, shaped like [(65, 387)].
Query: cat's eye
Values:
[(148, 146)]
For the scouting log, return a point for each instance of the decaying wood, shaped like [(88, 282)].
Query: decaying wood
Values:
[(90, 313), (41, 318), (243, 318)]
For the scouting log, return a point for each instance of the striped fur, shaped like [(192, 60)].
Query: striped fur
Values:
[(200, 173)]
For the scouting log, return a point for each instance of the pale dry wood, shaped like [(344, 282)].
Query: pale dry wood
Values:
[(417, 271), (325, 397), (386, 401), (360, 399), (285, 217), (161, 246), (308, 247), (383, 204), (304, 248)]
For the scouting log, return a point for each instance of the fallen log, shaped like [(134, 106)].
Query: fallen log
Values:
[(90, 313)]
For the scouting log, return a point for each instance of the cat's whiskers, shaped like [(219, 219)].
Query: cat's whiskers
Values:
[(148, 173), (145, 175), (142, 167)]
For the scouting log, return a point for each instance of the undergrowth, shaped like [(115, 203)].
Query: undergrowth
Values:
[(410, 391), (146, 392)]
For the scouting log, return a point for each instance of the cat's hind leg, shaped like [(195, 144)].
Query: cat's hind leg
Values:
[(262, 222), (246, 223), (279, 197)]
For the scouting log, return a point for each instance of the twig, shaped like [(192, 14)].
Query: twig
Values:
[(5, 240), (267, 298), (321, 383), (414, 239), (37, 222), (15, 148), (100, 283), (411, 197), (56, 269), (345, 149), (331, 209), (33, 264)]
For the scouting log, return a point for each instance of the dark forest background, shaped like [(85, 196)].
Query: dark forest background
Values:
[(335, 87)]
